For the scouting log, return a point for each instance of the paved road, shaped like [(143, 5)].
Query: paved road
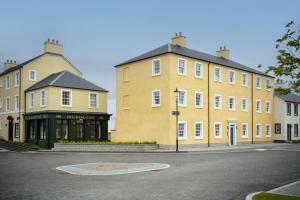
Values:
[(195, 175)]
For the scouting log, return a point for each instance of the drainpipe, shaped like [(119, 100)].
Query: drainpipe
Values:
[(208, 110), (252, 141), (20, 85)]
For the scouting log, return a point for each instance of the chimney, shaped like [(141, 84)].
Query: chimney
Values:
[(52, 46), (179, 39), (9, 63), (223, 52)]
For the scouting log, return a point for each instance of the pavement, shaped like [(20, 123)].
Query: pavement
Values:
[(10, 147)]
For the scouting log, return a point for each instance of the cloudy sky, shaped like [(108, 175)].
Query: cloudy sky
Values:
[(96, 35)]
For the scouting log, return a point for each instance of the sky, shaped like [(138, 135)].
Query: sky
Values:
[(97, 35)]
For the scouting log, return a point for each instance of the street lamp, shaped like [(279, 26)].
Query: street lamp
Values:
[(176, 113)]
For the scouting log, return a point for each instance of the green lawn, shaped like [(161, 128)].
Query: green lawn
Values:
[(268, 196)]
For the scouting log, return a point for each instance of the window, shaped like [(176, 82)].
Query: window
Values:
[(155, 98), (244, 79), (66, 98), (17, 102), (182, 69), (198, 130), (268, 84), (42, 130), (62, 129), (244, 105), (1, 102), (258, 130), (32, 75), (258, 105), (93, 100), (244, 133), (231, 103), (7, 82), (1, 82), (198, 70), (257, 82), (31, 100), (17, 130), (296, 130), (42, 98), (295, 109), (217, 76), (182, 130), (231, 77), (17, 79), (32, 130), (268, 130), (198, 99), (277, 128), (218, 130), (182, 98), (7, 103), (155, 67), (268, 107), (288, 108), (218, 101), (125, 74), (79, 129)]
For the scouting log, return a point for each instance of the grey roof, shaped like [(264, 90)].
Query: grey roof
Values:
[(183, 51), (290, 98), (66, 79)]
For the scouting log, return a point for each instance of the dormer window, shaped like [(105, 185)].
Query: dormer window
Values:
[(32, 75)]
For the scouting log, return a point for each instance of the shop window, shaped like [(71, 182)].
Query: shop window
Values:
[(79, 129), (62, 129), (31, 130), (42, 130)]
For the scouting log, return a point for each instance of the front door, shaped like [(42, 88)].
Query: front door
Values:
[(289, 132), (10, 130), (232, 134)]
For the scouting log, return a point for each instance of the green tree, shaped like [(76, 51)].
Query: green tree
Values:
[(288, 59)]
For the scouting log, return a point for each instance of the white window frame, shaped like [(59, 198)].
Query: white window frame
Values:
[(268, 111), (1, 103), (201, 135), (17, 78), (7, 98), (220, 77), (233, 78), (185, 67), (184, 104), (7, 82), (231, 97), (153, 67), (41, 98), (153, 98), (268, 135), (17, 102), (220, 135), (201, 70), (31, 100), (258, 111), (260, 134), (184, 137), (61, 96), (220, 102), (246, 109), (35, 75), (201, 99), (97, 100), (246, 80), (247, 130), (258, 87), (266, 85)]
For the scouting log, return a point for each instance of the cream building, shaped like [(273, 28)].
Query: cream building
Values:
[(220, 100), (46, 99)]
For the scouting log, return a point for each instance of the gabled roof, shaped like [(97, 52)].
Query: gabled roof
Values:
[(65, 79), (183, 51), (290, 98), (11, 69)]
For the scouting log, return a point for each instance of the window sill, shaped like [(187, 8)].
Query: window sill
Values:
[(198, 138)]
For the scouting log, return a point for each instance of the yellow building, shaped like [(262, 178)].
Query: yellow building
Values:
[(220, 101), (46, 99)]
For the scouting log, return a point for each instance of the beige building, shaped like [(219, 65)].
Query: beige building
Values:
[(220, 101), (46, 99)]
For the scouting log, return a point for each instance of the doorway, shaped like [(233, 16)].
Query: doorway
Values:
[(289, 132), (10, 127), (232, 134)]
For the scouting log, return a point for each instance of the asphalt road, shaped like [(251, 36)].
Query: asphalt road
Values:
[(195, 175)]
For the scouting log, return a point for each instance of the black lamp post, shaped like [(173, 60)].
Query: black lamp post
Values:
[(176, 113)]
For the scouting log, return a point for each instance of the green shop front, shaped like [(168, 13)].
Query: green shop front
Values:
[(46, 128)]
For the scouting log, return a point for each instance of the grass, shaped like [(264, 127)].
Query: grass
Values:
[(105, 142), (26, 145), (268, 196)]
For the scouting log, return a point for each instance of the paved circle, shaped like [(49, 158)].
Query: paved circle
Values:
[(109, 168)]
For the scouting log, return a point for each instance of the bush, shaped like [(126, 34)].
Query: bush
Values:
[(105, 142)]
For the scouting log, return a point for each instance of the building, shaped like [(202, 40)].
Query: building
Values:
[(220, 100), (286, 117), (46, 99)]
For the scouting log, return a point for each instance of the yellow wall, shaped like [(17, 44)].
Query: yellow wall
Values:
[(142, 122)]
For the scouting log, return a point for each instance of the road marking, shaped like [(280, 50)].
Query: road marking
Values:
[(260, 149)]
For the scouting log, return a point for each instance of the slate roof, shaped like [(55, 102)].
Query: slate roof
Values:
[(183, 51), (65, 79), (290, 98)]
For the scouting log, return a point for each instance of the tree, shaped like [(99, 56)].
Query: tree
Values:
[(288, 59)]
